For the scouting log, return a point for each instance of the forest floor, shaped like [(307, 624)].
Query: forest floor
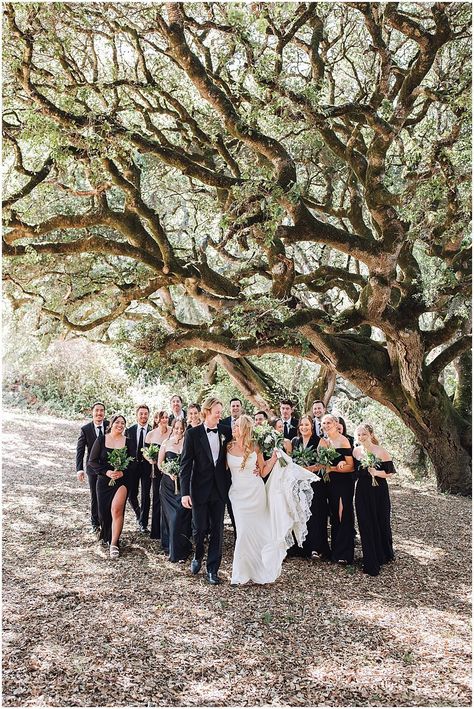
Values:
[(81, 630)]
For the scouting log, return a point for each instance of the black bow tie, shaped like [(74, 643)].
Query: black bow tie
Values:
[(211, 430)]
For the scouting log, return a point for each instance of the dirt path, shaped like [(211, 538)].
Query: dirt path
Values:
[(80, 630)]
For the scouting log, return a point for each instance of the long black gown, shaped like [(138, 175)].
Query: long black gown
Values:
[(317, 537), (175, 519), (99, 463), (341, 487), (372, 504), (155, 530)]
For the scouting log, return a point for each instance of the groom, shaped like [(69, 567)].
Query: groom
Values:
[(205, 485)]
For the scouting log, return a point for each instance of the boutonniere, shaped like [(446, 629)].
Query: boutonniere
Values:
[(222, 439)]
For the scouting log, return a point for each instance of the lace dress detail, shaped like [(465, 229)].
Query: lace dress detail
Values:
[(267, 516)]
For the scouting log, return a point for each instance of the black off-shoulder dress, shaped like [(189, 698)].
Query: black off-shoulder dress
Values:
[(341, 489), (372, 504), (105, 493)]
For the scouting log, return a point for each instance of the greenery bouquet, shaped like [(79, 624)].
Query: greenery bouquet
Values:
[(305, 456), (119, 460), (267, 438), (326, 457), (171, 468), (150, 453), (370, 460)]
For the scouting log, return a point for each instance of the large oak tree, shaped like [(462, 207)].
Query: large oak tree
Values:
[(249, 179)]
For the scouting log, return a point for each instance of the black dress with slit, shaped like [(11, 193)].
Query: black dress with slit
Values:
[(341, 489), (372, 504), (175, 519), (98, 462)]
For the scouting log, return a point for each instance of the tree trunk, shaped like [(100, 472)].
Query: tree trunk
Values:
[(210, 379), (443, 434), (463, 394), (255, 384), (322, 389)]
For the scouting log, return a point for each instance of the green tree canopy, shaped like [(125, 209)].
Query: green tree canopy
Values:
[(245, 179)]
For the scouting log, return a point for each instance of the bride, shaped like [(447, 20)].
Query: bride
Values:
[(266, 516)]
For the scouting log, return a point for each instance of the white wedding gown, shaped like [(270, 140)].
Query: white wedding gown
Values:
[(267, 516)]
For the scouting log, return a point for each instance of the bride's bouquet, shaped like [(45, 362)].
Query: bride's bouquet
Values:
[(150, 453), (326, 457), (267, 438), (119, 460), (370, 460), (171, 468), (306, 457)]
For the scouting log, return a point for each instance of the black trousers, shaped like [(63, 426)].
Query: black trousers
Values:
[(209, 517), (140, 475), (94, 508)]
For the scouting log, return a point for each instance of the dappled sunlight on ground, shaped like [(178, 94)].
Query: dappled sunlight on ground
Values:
[(321, 635), (423, 552)]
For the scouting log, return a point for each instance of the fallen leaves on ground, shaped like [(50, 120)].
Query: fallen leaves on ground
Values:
[(81, 630)]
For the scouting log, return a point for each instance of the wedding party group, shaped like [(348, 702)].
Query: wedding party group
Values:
[(290, 486)]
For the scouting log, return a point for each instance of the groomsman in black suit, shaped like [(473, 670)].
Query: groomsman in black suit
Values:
[(289, 422), (140, 469), (236, 410), (87, 437), (205, 484), (318, 410), (177, 411)]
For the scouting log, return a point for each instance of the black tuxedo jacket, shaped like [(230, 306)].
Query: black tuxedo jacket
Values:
[(198, 472), (86, 440), (227, 422), (131, 434), (293, 429)]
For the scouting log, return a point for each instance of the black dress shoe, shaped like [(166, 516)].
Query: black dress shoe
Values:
[(195, 566), (213, 579)]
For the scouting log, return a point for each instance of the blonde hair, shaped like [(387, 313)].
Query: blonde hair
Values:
[(208, 404), (246, 425), (370, 430), (330, 416)]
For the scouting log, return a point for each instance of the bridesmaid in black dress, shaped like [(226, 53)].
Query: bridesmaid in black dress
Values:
[(175, 519), (341, 427), (372, 502), (111, 499), (316, 545), (340, 492), (157, 435)]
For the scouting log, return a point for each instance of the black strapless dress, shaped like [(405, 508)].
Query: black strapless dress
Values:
[(175, 519), (372, 504), (341, 489)]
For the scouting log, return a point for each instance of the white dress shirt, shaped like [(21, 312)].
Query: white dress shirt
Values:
[(141, 428), (213, 439)]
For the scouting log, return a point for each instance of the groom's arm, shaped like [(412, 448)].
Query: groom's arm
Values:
[(186, 466)]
